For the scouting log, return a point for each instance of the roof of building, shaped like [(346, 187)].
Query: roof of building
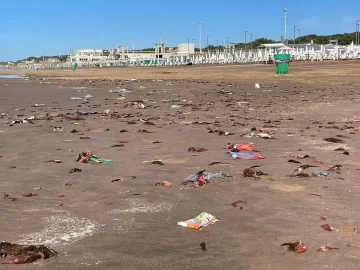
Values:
[(274, 45)]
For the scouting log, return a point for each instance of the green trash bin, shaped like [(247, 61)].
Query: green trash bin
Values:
[(282, 63)]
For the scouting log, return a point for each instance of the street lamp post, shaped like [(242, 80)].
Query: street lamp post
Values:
[(285, 18), (200, 35), (299, 34), (207, 42), (295, 33), (358, 35), (246, 32), (217, 44), (251, 41), (188, 45)]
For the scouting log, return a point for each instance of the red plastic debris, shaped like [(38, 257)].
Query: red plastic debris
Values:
[(29, 195), (84, 138), (326, 227), (60, 195), (301, 248), (322, 218)]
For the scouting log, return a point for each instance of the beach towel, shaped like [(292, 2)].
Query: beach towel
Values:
[(201, 221)]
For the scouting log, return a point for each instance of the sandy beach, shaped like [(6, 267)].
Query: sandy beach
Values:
[(94, 222)]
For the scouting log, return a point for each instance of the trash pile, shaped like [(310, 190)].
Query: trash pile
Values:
[(25, 253), (137, 115)]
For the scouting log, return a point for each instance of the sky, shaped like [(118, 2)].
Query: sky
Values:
[(51, 27)]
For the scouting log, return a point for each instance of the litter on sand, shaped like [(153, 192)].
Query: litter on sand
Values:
[(157, 162), (55, 161), (297, 247), (326, 248), (327, 227), (197, 149), (88, 157), (25, 253), (241, 147), (253, 172), (164, 184), (58, 129), (201, 221), (23, 121), (246, 155), (203, 177), (320, 173), (75, 170), (257, 135), (333, 140), (11, 198)]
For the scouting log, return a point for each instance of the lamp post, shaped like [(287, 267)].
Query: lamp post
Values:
[(358, 35), (251, 41), (285, 18), (246, 32), (200, 35), (295, 33), (217, 44), (207, 42), (299, 34), (188, 45)]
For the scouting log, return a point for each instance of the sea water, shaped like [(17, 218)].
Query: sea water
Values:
[(11, 76)]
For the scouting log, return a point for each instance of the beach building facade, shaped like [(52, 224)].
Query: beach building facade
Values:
[(122, 53)]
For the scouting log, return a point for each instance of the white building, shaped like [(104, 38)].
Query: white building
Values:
[(186, 48), (159, 52), (90, 55)]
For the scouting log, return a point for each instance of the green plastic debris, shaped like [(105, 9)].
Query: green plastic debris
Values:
[(100, 160)]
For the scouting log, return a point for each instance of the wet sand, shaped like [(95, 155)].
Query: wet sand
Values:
[(131, 224)]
